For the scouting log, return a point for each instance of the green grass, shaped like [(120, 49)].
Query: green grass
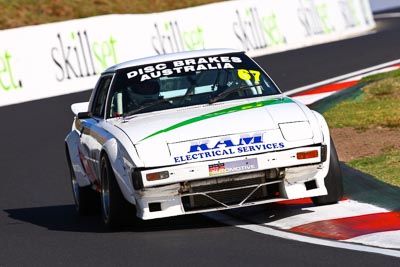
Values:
[(364, 114), (378, 105), (379, 76), (385, 167)]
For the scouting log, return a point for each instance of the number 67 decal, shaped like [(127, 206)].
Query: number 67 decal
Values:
[(248, 74)]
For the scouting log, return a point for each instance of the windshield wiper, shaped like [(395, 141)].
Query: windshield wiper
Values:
[(150, 104), (228, 92)]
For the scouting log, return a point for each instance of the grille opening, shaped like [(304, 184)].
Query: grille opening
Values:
[(156, 206), (231, 197), (311, 185)]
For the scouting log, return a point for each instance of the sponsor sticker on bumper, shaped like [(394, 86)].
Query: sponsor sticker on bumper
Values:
[(232, 167)]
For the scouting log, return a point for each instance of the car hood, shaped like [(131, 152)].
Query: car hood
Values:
[(221, 130)]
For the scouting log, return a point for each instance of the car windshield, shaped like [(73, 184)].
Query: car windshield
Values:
[(187, 82)]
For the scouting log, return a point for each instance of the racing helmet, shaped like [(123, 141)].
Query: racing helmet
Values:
[(144, 92)]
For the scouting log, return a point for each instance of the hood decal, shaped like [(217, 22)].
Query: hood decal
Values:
[(221, 112)]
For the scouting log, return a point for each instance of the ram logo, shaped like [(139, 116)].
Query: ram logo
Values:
[(226, 142)]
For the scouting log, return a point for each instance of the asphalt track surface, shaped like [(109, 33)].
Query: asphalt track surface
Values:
[(39, 226)]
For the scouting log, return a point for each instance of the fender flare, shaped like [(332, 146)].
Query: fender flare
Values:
[(327, 137), (72, 153), (122, 174), (324, 127)]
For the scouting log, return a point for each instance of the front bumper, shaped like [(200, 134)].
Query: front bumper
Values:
[(232, 183)]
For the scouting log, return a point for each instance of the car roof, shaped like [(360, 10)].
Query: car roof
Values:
[(171, 56)]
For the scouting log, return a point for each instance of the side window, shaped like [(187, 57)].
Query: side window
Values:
[(100, 97)]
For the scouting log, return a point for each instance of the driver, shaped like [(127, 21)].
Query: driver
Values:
[(142, 93)]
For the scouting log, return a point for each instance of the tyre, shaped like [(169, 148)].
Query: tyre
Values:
[(86, 199), (333, 181), (116, 211)]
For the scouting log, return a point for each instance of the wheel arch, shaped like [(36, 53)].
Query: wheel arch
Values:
[(324, 127), (72, 155), (112, 149)]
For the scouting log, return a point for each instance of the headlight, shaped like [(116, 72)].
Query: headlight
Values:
[(295, 131)]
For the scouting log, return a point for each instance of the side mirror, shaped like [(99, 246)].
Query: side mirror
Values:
[(84, 115), (79, 107)]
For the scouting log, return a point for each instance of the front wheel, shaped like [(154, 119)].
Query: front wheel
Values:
[(116, 211), (333, 181)]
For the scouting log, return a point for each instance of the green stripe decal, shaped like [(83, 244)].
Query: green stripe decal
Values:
[(221, 112)]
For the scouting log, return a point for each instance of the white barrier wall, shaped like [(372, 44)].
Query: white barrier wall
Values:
[(59, 58)]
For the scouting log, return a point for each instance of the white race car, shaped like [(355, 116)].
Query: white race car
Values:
[(193, 132)]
